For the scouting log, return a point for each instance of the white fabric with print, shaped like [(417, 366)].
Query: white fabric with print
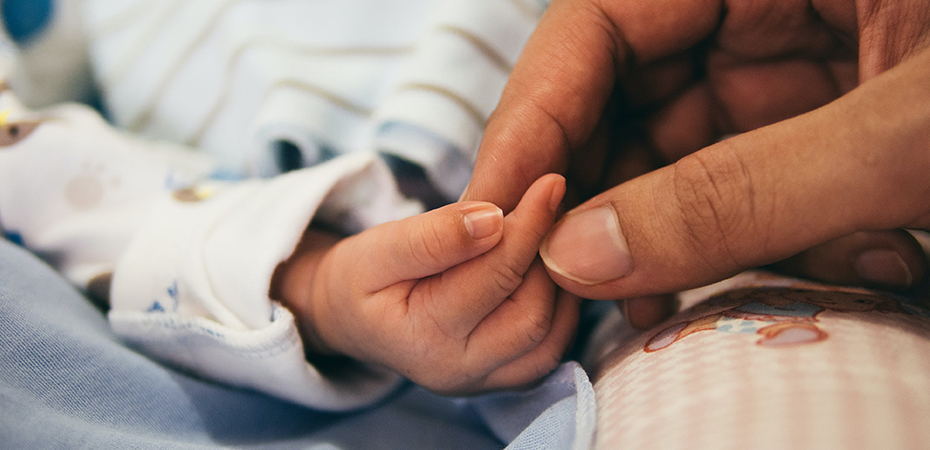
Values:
[(191, 257)]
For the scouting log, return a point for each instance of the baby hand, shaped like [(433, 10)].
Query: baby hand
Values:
[(454, 299)]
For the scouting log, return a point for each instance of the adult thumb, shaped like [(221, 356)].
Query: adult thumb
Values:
[(859, 163)]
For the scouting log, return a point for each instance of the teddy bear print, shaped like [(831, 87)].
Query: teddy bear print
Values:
[(86, 189), (779, 316)]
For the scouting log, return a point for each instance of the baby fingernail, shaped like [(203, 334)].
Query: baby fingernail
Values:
[(588, 247), (884, 267), (556, 196), (484, 222)]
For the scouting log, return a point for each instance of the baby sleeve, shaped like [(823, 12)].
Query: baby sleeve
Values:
[(192, 287), (73, 190), (190, 255)]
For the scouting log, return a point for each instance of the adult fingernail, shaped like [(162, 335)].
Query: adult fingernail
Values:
[(884, 267), (484, 222), (588, 247)]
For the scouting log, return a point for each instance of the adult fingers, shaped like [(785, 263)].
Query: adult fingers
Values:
[(879, 259), (885, 260), (645, 312), (558, 89), (858, 163), (426, 244)]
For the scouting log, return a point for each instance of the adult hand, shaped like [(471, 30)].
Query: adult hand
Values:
[(830, 101)]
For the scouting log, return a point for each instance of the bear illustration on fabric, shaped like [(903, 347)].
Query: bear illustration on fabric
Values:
[(780, 316)]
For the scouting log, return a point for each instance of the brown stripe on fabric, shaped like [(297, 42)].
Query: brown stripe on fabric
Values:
[(336, 99), (122, 19), (490, 53), (145, 115), (125, 61), (462, 102), (285, 45), (531, 11)]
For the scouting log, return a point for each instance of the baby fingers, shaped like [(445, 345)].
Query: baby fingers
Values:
[(460, 298), (426, 244), (541, 359), (522, 341)]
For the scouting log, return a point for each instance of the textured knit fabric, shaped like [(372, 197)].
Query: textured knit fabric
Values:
[(413, 78), (768, 362)]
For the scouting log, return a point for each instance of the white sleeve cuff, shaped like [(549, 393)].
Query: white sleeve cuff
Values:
[(192, 288)]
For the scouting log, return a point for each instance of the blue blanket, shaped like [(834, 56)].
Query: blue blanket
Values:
[(67, 382)]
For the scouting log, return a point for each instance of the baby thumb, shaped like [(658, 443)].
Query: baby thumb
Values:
[(428, 243)]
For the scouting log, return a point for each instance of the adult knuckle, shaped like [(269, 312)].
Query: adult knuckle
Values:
[(894, 30), (718, 206)]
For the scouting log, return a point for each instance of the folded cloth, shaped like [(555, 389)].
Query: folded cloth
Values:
[(327, 77), (191, 289), (190, 256), (559, 414)]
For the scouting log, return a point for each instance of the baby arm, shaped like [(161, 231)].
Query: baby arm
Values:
[(455, 299)]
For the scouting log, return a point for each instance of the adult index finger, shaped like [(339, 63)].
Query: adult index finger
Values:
[(858, 163), (560, 85)]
